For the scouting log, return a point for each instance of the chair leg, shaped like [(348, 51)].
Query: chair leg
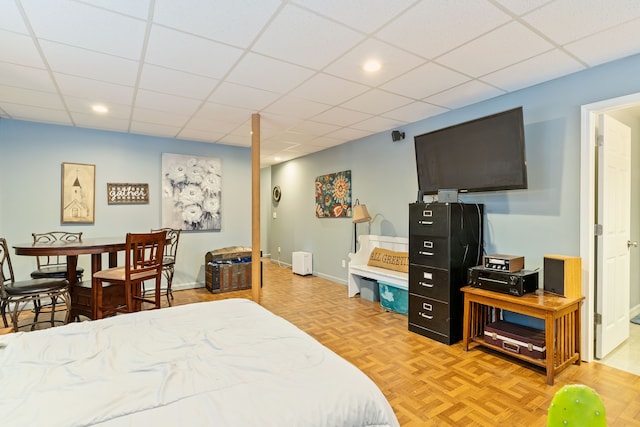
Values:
[(168, 274), (3, 311)]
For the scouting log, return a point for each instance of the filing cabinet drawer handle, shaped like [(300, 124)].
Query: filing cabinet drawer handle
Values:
[(427, 244), (425, 222), (427, 285), (427, 306), (428, 276), (427, 213), (425, 253), (426, 316)]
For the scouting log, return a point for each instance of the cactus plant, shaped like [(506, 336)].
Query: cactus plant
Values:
[(576, 405)]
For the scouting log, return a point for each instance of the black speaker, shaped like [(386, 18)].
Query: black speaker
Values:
[(396, 135), (563, 275)]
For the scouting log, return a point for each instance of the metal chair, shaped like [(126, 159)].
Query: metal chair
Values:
[(22, 293), (169, 260), (55, 266), (143, 261)]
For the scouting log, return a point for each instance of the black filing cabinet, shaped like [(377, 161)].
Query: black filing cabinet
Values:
[(445, 240)]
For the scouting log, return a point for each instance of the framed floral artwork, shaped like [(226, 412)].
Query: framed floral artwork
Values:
[(191, 192), (333, 195), (78, 203)]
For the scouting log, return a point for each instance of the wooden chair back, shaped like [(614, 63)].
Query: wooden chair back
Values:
[(145, 252)]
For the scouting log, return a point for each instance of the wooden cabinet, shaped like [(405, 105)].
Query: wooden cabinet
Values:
[(445, 240), (561, 321)]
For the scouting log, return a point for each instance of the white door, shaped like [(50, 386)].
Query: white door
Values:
[(613, 260)]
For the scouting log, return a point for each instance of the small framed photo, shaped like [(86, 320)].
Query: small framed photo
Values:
[(78, 193)]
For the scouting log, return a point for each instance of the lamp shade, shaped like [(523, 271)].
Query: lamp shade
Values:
[(360, 213)]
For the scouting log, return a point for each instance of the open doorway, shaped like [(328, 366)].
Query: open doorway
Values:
[(624, 107)]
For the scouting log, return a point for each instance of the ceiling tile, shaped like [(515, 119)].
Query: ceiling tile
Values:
[(378, 12), (167, 103), (608, 45), (425, 80), (95, 121), (26, 77), (203, 57), (348, 134), (137, 8), (547, 66), (200, 135), (236, 22), (155, 129), (160, 79), (147, 115), (394, 63), (377, 124), (92, 65), (304, 38), (415, 111), (92, 28), (520, 7), (465, 94), (328, 89), (568, 20), (341, 117), (296, 107), (11, 19), (243, 96), (31, 113), (500, 48), (268, 74), (82, 107), (19, 49), (432, 28), (376, 102), (91, 89), (33, 98)]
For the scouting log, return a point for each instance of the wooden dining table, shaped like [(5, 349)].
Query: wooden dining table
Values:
[(83, 298)]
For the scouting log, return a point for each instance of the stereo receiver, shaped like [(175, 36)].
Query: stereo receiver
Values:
[(503, 262), (514, 283)]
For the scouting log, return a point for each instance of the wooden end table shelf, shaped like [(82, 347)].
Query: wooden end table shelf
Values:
[(561, 318)]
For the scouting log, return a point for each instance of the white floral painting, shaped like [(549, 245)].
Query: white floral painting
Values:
[(191, 192)]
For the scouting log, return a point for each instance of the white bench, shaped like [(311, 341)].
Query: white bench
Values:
[(358, 267)]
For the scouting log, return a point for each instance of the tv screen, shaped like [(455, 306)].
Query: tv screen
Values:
[(485, 154)]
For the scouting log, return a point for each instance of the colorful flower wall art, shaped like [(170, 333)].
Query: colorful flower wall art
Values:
[(333, 195), (191, 192)]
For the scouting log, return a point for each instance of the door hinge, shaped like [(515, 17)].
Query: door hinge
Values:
[(600, 140), (597, 318), (597, 229)]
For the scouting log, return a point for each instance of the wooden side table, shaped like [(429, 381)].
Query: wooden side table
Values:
[(561, 318)]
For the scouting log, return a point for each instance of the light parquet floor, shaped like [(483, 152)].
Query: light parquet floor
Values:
[(428, 383)]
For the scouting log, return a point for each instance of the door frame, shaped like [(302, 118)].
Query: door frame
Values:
[(588, 120)]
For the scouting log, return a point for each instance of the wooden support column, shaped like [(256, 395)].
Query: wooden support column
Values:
[(256, 277)]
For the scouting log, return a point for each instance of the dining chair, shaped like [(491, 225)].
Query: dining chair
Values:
[(23, 293), (55, 265), (143, 261), (168, 261)]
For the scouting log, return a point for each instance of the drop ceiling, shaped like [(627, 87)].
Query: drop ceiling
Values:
[(198, 69)]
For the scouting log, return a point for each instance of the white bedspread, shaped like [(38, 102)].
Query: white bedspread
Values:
[(223, 363)]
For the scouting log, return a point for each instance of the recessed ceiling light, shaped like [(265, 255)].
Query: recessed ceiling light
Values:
[(98, 108), (372, 65), (277, 159)]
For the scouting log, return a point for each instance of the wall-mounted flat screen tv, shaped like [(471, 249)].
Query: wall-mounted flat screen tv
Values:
[(485, 154)]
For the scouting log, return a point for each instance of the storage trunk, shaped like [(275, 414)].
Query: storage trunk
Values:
[(516, 338), (228, 269)]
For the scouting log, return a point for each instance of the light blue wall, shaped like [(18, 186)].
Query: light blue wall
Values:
[(541, 220), (31, 155)]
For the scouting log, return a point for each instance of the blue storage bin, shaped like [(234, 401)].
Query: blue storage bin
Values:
[(394, 298)]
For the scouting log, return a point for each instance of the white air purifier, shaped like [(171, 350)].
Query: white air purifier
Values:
[(301, 263)]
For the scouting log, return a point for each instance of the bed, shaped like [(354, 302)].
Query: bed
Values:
[(222, 363)]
